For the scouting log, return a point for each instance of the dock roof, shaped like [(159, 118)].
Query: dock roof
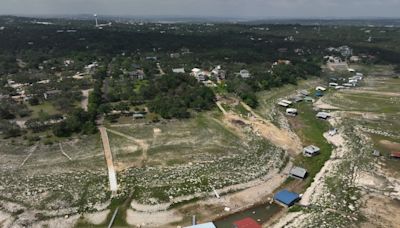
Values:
[(285, 197)]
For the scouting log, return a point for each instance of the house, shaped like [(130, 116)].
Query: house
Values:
[(355, 59), (138, 116), (348, 85), (286, 198), (174, 55), (287, 102), (138, 74), (204, 225), (51, 93), (244, 73), (298, 172), (311, 151), (246, 223), (323, 115), (309, 99), (283, 104), (298, 99), (291, 111), (178, 70), (333, 84), (320, 88), (304, 92)]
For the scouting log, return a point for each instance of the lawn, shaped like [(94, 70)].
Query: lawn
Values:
[(310, 130)]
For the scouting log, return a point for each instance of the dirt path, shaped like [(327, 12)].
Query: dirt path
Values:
[(367, 91), (63, 152), (160, 69), (279, 137), (112, 176), (85, 100), (141, 143), (321, 104), (28, 156)]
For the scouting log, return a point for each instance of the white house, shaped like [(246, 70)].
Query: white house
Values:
[(178, 70), (291, 111), (244, 73), (320, 88)]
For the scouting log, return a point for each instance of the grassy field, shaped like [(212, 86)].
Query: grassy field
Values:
[(46, 107), (310, 130)]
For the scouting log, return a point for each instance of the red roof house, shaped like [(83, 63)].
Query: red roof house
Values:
[(246, 223), (395, 155)]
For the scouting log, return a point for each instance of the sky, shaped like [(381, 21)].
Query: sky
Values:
[(207, 8)]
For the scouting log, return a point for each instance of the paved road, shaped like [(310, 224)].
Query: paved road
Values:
[(112, 176)]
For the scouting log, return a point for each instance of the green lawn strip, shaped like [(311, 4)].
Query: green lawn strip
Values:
[(311, 133)]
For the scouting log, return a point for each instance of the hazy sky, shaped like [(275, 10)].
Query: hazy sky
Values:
[(216, 8)]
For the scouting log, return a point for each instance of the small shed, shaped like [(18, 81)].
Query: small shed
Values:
[(311, 151), (287, 102), (291, 111), (376, 153), (323, 115), (283, 104), (333, 84), (304, 92), (298, 172), (298, 99), (138, 115), (178, 70), (286, 198), (203, 225), (319, 94), (333, 132), (246, 223), (309, 99)]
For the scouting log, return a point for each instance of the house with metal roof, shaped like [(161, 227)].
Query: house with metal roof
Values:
[(246, 223), (178, 70), (311, 151), (323, 115), (298, 172), (291, 111), (283, 104), (286, 198), (304, 92)]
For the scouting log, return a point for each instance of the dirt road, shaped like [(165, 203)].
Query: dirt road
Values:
[(112, 176), (279, 137), (85, 99)]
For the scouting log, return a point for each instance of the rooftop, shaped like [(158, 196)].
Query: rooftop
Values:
[(298, 172), (246, 223), (204, 225), (286, 197)]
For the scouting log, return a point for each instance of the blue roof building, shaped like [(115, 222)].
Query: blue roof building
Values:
[(319, 94), (286, 198)]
